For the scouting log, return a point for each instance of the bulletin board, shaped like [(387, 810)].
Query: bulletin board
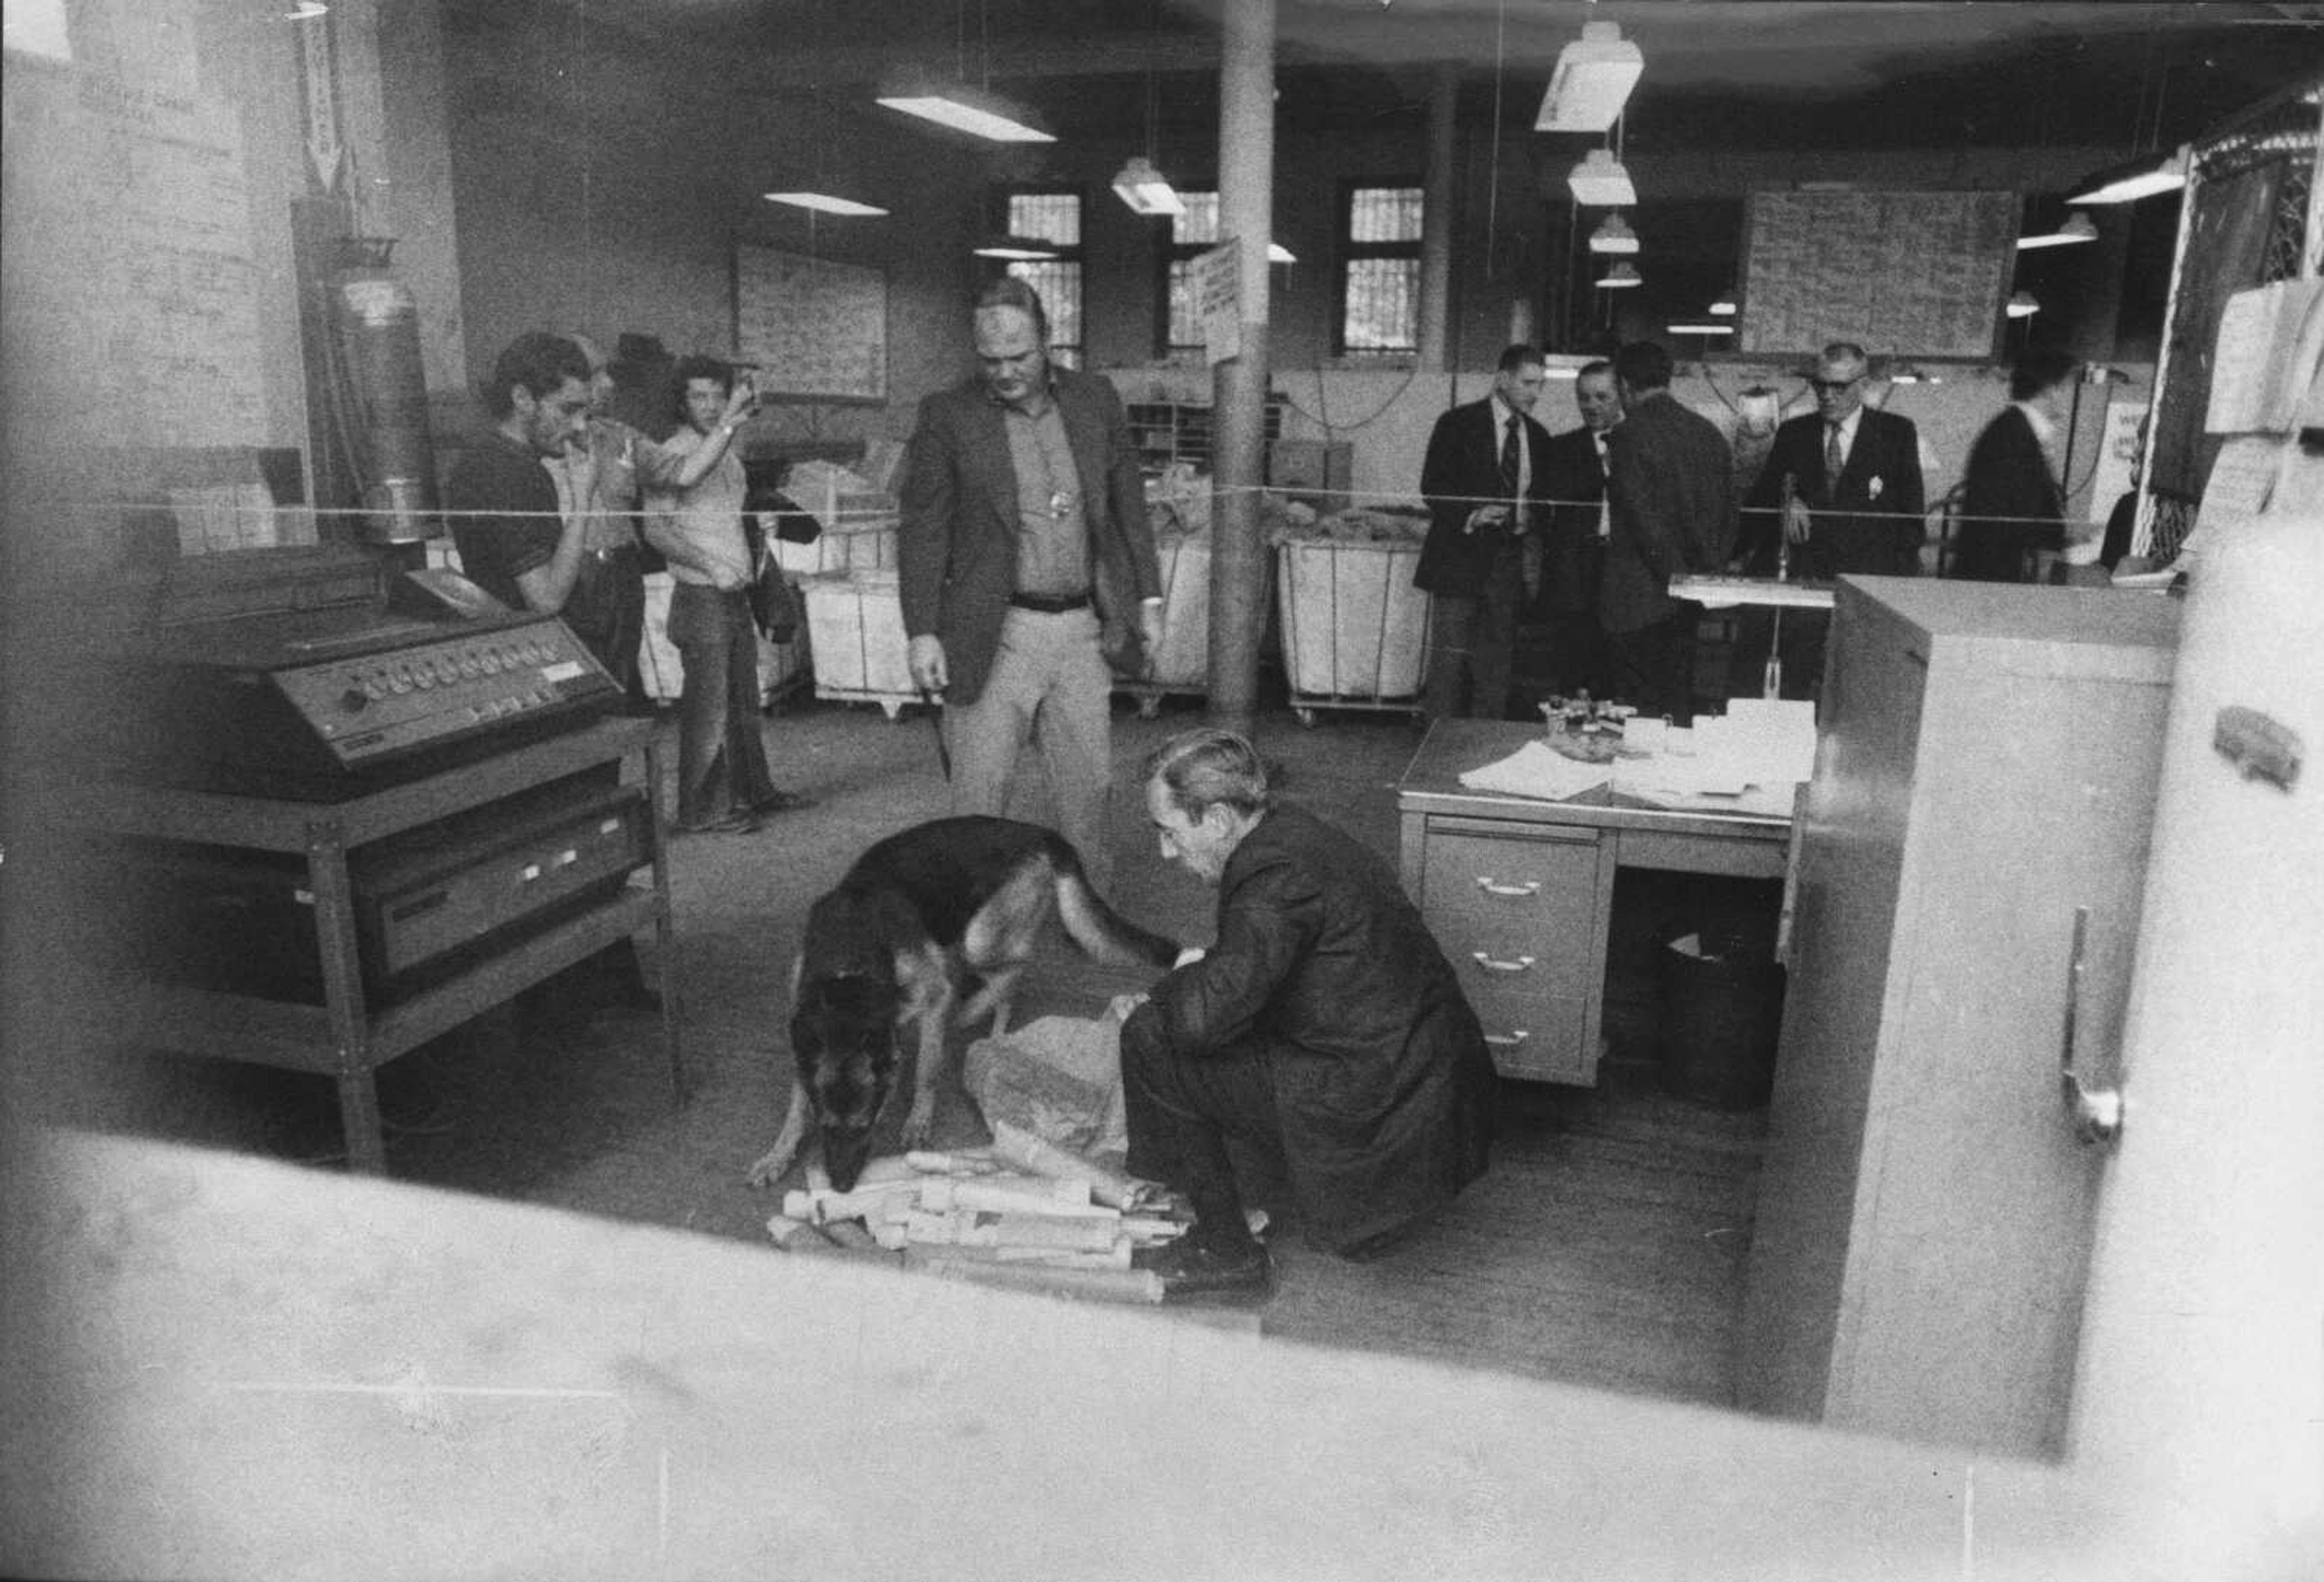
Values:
[(816, 330), (1903, 274)]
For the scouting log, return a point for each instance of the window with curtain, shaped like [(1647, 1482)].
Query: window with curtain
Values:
[(1379, 309), (1053, 216)]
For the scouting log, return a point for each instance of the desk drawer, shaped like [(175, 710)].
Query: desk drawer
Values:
[(1532, 1034), (1529, 880), (1517, 956)]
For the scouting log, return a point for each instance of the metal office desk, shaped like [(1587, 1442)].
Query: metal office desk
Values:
[(1519, 890)]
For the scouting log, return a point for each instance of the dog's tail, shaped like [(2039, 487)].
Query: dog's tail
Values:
[(1102, 934)]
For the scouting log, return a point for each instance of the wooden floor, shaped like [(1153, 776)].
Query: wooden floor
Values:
[(1604, 1248)]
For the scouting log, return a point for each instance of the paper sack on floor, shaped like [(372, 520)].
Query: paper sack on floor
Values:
[(1058, 1078)]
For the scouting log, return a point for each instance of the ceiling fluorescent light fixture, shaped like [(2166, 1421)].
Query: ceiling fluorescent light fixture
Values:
[(2023, 306), (1621, 275), (967, 109), (1613, 235), (1705, 328), (1592, 82), (2136, 178), (1144, 188), (1277, 253), (2077, 228), (306, 10), (1017, 249), (823, 203), (1598, 181), (1723, 305)]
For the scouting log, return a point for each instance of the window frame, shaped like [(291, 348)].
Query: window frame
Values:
[(1076, 255), (1351, 252)]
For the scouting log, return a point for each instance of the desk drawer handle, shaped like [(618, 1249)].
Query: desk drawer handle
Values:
[(1521, 964), (1507, 1040), (1532, 886)]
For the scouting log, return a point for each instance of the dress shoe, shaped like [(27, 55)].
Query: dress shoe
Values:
[(781, 801), (1194, 1271)]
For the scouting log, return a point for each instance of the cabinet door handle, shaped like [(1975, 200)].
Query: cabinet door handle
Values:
[(1490, 965), (1507, 1040), (2096, 1112), (1532, 886)]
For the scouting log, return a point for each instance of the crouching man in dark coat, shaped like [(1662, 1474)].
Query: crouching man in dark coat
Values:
[(1324, 1029)]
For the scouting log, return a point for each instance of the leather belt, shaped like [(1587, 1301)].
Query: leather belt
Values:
[(1047, 605), (612, 553)]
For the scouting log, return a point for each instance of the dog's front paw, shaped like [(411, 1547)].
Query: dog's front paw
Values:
[(770, 1166)]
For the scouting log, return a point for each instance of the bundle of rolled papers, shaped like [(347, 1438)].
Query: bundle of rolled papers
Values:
[(1020, 1212)]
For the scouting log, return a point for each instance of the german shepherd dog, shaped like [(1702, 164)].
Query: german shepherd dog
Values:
[(934, 925)]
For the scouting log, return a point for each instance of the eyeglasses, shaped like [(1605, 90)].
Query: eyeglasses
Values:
[(1832, 386)]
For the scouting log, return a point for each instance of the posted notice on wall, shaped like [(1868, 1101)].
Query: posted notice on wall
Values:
[(1218, 291), (2265, 362)]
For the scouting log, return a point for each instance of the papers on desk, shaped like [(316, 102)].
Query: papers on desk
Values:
[(1537, 770), (1721, 592), (1749, 760)]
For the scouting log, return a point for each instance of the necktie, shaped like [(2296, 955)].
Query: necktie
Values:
[(1605, 494), (1834, 457), (1509, 458)]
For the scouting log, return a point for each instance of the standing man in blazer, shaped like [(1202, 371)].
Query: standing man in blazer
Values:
[(1581, 521), (2012, 509), (1026, 566), (1483, 480), (1671, 483), (1841, 492)]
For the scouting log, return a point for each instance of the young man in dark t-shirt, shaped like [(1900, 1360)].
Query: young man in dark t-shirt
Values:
[(503, 507), (516, 546)]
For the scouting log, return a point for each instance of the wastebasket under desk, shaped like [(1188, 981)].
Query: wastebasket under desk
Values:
[(1519, 890), (346, 1037)]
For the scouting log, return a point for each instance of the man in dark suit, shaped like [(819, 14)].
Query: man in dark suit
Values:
[(1841, 492), (1483, 479), (1573, 541), (1024, 562), (1325, 1031), (1670, 481), (2011, 509)]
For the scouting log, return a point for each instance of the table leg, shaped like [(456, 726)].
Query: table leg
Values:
[(343, 996), (665, 944)]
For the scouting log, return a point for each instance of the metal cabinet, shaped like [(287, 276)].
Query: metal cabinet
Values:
[(1516, 909), (1986, 772)]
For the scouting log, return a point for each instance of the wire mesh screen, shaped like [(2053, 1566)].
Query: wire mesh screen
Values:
[(1059, 281), (1382, 311), (1379, 309), (1053, 217), (1384, 214)]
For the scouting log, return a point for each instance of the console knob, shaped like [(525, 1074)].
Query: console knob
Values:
[(353, 700)]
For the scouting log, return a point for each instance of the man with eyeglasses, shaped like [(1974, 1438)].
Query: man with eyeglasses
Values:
[(1841, 492)]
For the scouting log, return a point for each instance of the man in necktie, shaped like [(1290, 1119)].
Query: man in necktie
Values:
[(1482, 480), (1841, 492), (1573, 531)]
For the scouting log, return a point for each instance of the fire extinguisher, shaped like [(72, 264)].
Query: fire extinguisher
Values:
[(380, 394)]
